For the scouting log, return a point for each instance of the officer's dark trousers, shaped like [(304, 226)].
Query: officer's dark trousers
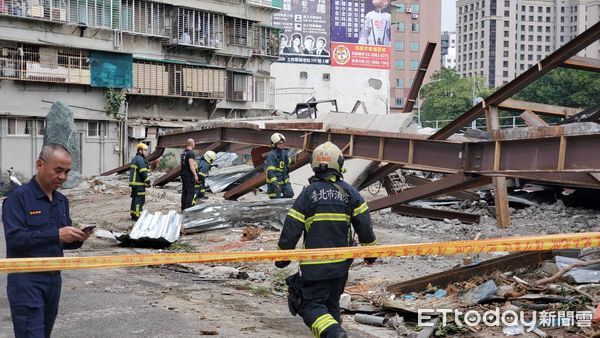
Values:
[(320, 307), (138, 198), (33, 299), (187, 191)]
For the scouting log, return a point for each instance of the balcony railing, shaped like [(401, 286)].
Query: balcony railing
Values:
[(50, 10), (266, 41), (44, 64), (240, 32), (143, 17), (177, 80), (196, 28), (239, 86)]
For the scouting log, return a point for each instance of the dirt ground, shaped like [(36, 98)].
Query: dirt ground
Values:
[(244, 300)]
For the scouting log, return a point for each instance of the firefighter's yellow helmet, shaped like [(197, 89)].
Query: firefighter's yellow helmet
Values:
[(327, 156), (276, 138), (210, 156)]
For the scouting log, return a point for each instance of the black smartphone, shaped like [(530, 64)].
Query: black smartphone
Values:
[(88, 229)]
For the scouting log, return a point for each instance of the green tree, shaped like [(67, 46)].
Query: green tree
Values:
[(448, 96), (564, 87)]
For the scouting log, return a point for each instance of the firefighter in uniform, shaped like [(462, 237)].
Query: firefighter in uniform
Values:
[(138, 180), (203, 167), (322, 213), (278, 162)]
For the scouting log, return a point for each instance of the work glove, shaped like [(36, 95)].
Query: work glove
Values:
[(370, 260), (282, 264), (148, 184), (277, 188)]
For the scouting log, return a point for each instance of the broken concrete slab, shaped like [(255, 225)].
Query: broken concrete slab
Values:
[(60, 129)]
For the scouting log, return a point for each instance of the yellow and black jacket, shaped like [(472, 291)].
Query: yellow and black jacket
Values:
[(323, 213), (138, 174), (277, 167)]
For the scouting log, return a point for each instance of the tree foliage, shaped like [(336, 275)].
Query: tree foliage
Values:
[(448, 96), (564, 87)]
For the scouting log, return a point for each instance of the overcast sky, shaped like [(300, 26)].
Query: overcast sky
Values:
[(448, 15)]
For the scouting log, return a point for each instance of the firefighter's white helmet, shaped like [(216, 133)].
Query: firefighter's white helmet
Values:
[(327, 156)]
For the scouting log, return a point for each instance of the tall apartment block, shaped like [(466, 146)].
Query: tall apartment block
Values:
[(448, 50), (176, 61), (413, 25), (501, 39)]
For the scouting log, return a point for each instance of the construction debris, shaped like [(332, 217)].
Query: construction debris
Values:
[(154, 229), (225, 214)]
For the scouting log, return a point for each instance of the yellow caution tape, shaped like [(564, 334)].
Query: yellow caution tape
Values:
[(510, 244)]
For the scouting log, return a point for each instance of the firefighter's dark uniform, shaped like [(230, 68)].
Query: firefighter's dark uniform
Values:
[(323, 213), (202, 168), (138, 181), (278, 174), (31, 227), (187, 179)]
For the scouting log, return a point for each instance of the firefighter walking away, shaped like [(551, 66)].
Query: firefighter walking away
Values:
[(325, 214), (138, 180)]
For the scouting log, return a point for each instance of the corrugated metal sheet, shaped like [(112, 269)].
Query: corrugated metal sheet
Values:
[(155, 228)]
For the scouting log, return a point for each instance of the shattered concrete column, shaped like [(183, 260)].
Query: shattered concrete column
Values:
[(60, 129)]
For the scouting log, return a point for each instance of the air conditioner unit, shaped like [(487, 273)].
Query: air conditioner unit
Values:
[(415, 16), (137, 132), (408, 10)]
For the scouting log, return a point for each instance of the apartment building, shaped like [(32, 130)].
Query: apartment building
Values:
[(501, 39), (176, 62), (448, 50), (413, 25)]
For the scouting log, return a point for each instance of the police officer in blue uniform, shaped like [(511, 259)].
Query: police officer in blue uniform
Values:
[(203, 167), (323, 213), (138, 180), (278, 162), (37, 224)]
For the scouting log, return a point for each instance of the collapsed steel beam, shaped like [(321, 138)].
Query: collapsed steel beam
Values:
[(461, 195), (436, 214), (450, 183), (555, 153), (260, 179), (554, 60), (538, 108), (152, 157), (419, 77)]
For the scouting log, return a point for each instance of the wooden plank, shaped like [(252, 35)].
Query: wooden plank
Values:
[(532, 120), (539, 108), (561, 153), (499, 183)]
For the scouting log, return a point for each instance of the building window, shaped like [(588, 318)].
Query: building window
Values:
[(399, 45), (414, 64), (399, 64), (505, 64), (414, 27), (399, 102), (41, 125), (19, 126), (414, 46), (505, 73), (400, 8), (95, 129), (326, 76), (505, 54), (400, 83), (303, 75), (415, 8), (506, 24), (400, 27)]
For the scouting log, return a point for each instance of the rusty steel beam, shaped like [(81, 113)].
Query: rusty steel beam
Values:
[(436, 214), (575, 180), (450, 183), (419, 77), (544, 66), (174, 173), (461, 195), (582, 63), (532, 119), (461, 274), (260, 179), (538, 108), (555, 153), (152, 157), (379, 173)]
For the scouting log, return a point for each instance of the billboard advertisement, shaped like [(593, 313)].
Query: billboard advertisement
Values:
[(360, 33), (306, 35)]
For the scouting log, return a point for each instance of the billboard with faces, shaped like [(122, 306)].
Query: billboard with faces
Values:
[(305, 38)]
